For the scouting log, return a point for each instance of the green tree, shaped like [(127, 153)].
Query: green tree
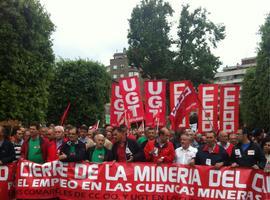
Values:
[(148, 38), (85, 84), (256, 97), (26, 60), (248, 98), (197, 36), (263, 76)]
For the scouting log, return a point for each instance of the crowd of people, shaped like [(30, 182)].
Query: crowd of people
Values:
[(120, 144)]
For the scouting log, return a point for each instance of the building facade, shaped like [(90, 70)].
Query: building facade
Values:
[(120, 68), (235, 74)]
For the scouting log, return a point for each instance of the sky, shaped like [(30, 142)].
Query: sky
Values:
[(96, 29)]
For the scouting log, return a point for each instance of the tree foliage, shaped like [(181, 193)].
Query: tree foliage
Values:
[(151, 47), (26, 60), (197, 36), (85, 84), (148, 38), (248, 98), (256, 87)]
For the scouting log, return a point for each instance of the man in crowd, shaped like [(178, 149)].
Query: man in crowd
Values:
[(124, 148), (247, 153), (35, 148), (233, 138), (7, 153), (73, 150), (186, 153), (150, 135), (26, 135), (160, 150), (194, 143), (223, 141), (17, 141), (109, 135), (211, 153), (99, 153), (43, 131), (59, 137), (52, 149), (266, 150), (83, 134)]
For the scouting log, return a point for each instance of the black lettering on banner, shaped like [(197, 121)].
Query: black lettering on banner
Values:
[(94, 196), (110, 196)]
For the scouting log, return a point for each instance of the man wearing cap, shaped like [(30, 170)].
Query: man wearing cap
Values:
[(247, 153)]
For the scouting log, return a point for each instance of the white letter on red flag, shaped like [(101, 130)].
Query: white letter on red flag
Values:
[(208, 108), (117, 106), (229, 108), (130, 90), (155, 102)]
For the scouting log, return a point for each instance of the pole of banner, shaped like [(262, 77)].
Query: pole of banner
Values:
[(211, 124), (157, 124), (97, 124)]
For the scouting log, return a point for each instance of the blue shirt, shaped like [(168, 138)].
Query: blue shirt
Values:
[(245, 146)]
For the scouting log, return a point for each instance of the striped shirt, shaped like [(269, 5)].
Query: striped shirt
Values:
[(18, 148)]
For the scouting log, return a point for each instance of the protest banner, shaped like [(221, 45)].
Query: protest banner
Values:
[(186, 101), (130, 91), (176, 89), (117, 106), (208, 108), (229, 108), (138, 181), (7, 178), (155, 103)]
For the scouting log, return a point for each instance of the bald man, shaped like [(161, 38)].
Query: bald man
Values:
[(99, 153), (224, 142)]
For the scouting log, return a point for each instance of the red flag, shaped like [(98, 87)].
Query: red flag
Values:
[(208, 108), (130, 91), (125, 119), (117, 106), (94, 127), (176, 88), (156, 118), (155, 102), (64, 116), (229, 108), (185, 103)]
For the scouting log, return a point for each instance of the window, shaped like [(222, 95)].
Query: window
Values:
[(136, 74), (121, 75), (115, 67), (114, 76), (130, 74)]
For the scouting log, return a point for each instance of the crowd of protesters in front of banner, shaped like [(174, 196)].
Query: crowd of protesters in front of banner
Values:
[(70, 144)]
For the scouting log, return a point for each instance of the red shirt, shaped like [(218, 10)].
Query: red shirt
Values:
[(167, 152), (52, 151), (121, 153)]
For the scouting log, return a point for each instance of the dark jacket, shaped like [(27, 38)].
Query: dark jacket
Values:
[(79, 152), (108, 154), (218, 155), (137, 152), (7, 152), (252, 156), (44, 145)]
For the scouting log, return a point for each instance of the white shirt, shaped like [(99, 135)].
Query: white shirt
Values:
[(184, 156)]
